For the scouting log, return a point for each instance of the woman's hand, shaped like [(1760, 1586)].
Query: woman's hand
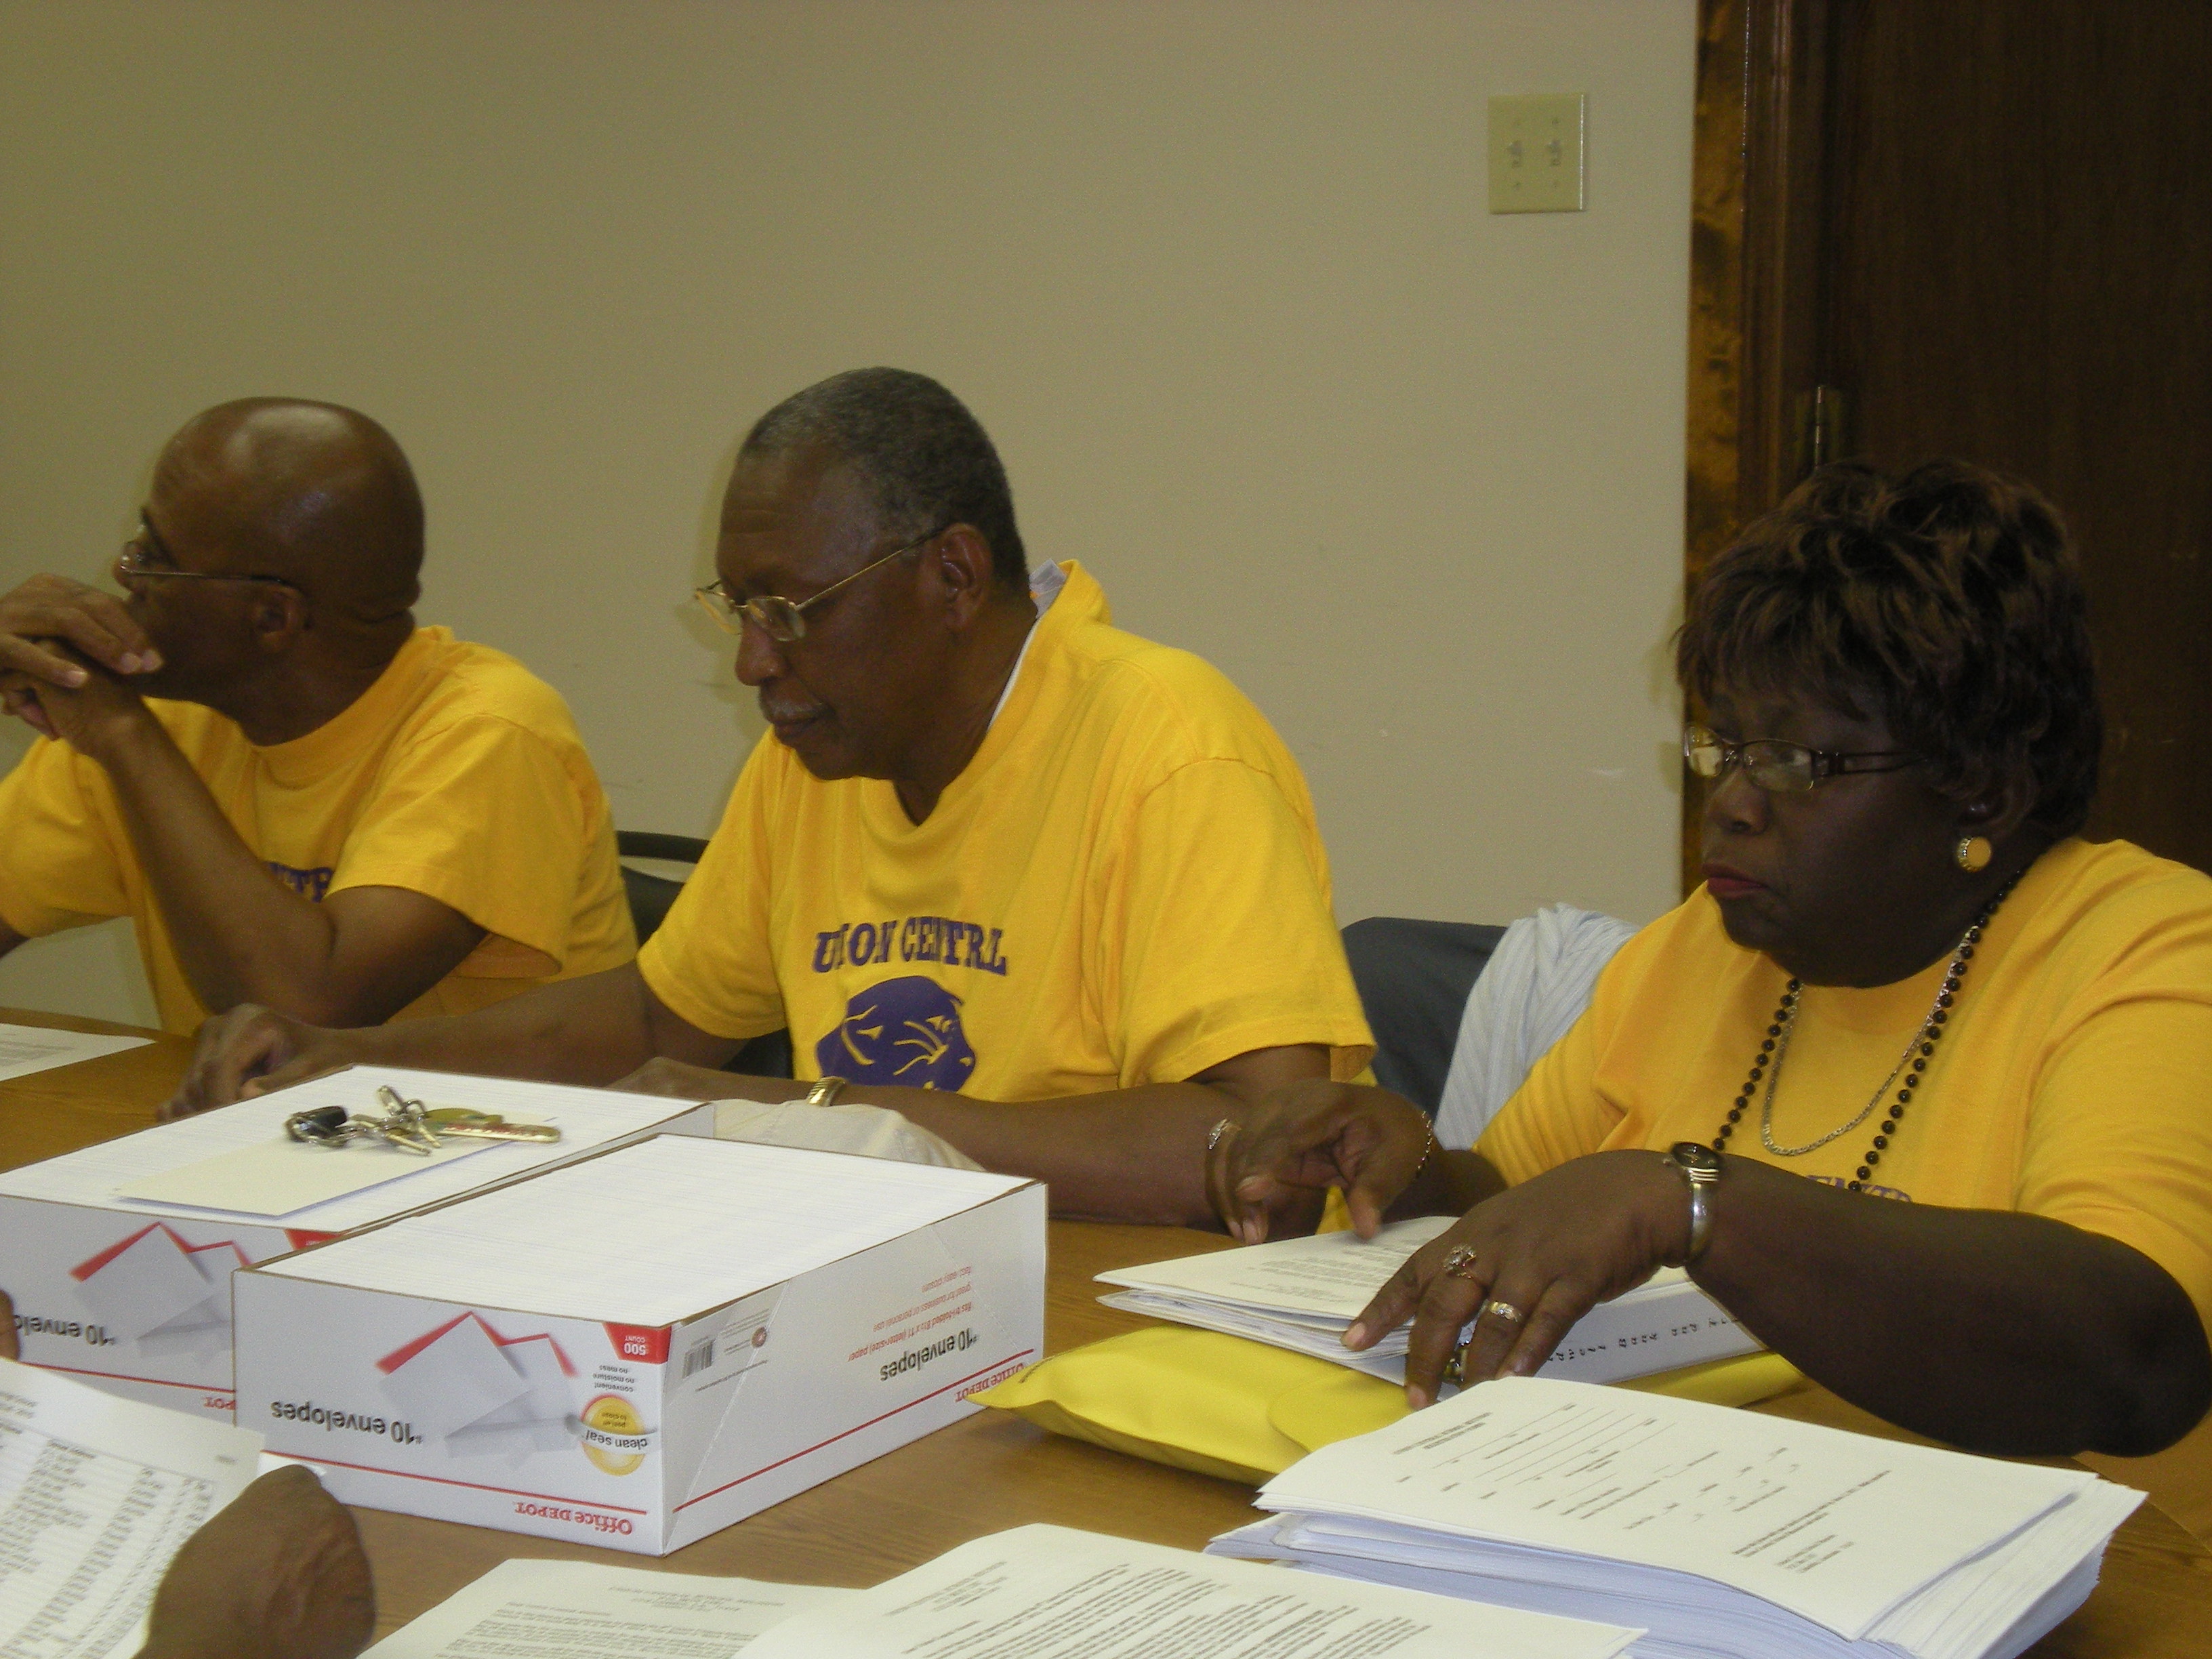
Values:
[(1306, 1137), (1548, 1250)]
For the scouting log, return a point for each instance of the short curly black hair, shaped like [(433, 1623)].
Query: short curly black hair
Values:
[(1949, 602), (927, 461)]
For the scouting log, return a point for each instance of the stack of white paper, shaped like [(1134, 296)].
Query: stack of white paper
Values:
[(1301, 1293), (1723, 1532), (1051, 1593), (96, 1495)]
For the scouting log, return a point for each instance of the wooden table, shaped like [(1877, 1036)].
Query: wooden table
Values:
[(990, 1471)]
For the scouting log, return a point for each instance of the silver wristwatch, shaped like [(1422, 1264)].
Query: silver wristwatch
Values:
[(1701, 1168)]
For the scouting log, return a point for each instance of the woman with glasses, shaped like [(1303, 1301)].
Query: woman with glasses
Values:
[(1918, 1084)]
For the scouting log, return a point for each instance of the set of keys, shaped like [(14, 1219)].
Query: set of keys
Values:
[(407, 1125)]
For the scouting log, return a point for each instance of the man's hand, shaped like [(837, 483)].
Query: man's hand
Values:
[(280, 1574), (1306, 1137), (50, 608), (1550, 1250), (100, 712), (250, 1051)]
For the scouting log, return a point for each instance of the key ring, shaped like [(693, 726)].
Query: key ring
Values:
[(407, 1125)]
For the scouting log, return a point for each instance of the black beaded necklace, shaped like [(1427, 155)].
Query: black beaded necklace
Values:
[(1921, 1050)]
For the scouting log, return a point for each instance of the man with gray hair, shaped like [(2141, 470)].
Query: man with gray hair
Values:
[(1054, 892)]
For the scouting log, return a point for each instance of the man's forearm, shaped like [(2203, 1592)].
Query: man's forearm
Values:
[(1135, 1155), (1130, 1155), (592, 1031), (2001, 1332), (240, 934)]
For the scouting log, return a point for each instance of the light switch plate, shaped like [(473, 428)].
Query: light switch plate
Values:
[(1536, 153)]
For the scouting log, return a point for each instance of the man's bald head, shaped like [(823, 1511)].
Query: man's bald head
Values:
[(316, 492)]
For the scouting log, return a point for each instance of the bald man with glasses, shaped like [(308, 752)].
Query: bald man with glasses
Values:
[(1054, 892), (302, 798)]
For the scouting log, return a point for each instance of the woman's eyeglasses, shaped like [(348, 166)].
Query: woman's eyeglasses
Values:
[(784, 620), (1779, 768)]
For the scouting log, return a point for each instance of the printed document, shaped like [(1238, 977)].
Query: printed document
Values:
[(1301, 1293), (1043, 1592), (1837, 1527), (580, 1610), (28, 1048), (96, 1495), (1331, 1276)]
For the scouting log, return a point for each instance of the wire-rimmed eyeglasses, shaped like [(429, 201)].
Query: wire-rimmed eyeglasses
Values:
[(1779, 768), (784, 620), (132, 562)]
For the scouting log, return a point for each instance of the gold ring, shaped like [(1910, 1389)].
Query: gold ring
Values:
[(1460, 1264), (1504, 1310), (1213, 1135)]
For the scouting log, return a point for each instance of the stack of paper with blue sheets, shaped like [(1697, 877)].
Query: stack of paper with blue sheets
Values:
[(1720, 1532)]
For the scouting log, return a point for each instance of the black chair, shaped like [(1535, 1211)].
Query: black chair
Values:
[(650, 897), (1413, 978)]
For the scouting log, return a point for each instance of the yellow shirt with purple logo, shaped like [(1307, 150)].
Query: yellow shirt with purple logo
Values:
[(1125, 886), (458, 774)]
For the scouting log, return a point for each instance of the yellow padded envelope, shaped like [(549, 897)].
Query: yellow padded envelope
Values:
[(1243, 1411)]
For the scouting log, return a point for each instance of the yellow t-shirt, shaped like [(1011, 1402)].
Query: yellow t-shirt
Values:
[(2075, 1080), (458, 774), (1124, 886)]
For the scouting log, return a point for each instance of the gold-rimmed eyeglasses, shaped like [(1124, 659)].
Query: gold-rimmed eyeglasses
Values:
[(1779, 768), (784, 620)]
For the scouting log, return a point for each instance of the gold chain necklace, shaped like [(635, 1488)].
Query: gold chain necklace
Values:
[(1768, 1063)]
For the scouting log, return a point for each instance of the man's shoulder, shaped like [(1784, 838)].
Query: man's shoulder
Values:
[(1189, 707), (464, 682)]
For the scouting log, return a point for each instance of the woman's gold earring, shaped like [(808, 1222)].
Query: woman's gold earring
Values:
[(1973, 853)]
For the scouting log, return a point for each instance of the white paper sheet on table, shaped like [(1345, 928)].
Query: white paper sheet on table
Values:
[(1837, 1527), (585, 1117), (581, 1610), (28, 1048), (1047, 1592), (281, 1176), (610, 1238), (96, 1495), (1330, 1275)]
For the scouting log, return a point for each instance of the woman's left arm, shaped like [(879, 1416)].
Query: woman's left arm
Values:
[(1996, 1331)]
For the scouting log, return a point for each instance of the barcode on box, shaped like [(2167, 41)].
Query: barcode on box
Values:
[(699, 1358)]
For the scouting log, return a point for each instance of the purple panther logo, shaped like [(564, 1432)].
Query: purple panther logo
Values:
[(902, 1030)]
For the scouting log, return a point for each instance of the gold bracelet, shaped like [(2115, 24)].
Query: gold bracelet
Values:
[(825, 1093)]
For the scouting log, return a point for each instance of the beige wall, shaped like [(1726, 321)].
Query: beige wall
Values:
[(1219, 276)]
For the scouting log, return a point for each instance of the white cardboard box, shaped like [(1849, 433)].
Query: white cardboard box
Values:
[(133, 1296), (642, 1347)]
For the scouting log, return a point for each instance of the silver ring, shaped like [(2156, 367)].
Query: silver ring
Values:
[(1504, 1310), (1460, 1264), (1213, 1135)]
